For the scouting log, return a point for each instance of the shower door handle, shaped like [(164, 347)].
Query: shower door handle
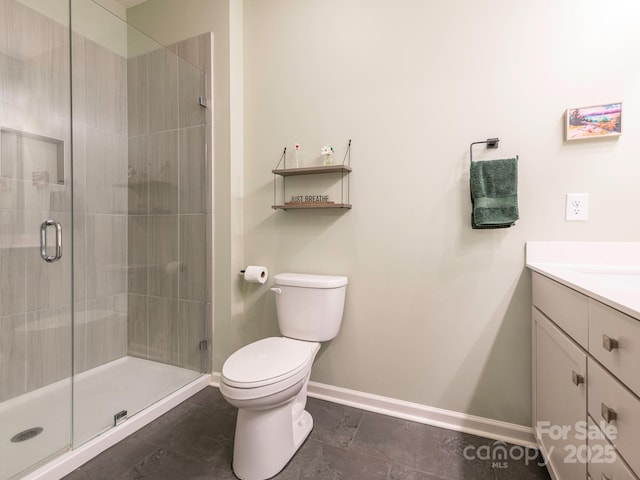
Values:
[(43, 241)]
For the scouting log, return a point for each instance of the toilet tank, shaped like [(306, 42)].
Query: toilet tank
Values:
[(309, 307)]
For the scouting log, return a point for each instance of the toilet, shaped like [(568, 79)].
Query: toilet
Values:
[(267, 380)]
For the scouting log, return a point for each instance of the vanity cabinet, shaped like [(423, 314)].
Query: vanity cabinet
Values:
[(586, 384)]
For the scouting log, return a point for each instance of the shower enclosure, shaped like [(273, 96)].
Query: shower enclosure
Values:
[(103, 213)]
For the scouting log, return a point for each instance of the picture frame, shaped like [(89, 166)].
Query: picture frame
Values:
[(595, 121)]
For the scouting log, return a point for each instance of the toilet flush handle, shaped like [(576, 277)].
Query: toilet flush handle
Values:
[(276, 290)]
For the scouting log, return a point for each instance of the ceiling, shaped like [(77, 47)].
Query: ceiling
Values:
[(129, 3)]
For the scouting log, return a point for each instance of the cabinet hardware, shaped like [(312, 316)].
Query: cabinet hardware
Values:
[(609, 343), (608, 414), (576, 378)]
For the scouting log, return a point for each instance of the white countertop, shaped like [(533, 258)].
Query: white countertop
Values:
[(608, 272)]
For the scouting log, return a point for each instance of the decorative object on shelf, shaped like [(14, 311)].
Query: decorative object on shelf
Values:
[(597, 121), (312, 200), (309, 199), (297, 155), (327, 152)]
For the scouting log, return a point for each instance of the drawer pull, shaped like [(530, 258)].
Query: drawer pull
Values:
[(576, 378), (609, 343), (609, 414)]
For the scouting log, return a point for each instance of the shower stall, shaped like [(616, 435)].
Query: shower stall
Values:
[(104, 205)]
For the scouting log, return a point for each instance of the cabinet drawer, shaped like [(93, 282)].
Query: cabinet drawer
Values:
[(614, 340), (565, 307), (623, 430), (604, 461)]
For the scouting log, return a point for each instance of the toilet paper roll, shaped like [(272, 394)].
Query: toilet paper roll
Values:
[(256, 274)]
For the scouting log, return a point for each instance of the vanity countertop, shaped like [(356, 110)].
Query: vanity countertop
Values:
[(606, 271)]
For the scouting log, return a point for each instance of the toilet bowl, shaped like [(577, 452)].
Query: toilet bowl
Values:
[(267, 380)]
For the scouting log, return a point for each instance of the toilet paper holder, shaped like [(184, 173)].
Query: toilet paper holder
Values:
[(255, 274)]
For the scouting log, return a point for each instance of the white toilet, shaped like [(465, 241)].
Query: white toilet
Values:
[(267, 380)]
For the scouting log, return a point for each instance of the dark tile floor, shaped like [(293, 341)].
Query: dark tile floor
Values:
[(194, 441)]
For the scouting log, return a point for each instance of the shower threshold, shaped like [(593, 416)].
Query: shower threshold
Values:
[(129, 383)]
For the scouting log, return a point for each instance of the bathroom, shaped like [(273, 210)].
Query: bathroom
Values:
[(437, 314)]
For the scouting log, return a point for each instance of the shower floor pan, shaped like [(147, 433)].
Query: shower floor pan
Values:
[(128, 383)]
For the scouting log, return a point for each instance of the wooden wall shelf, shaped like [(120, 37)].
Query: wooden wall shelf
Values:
[(286, 172), (310, 205), (343, 169)]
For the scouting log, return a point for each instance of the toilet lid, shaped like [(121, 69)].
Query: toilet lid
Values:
[(267, 361)]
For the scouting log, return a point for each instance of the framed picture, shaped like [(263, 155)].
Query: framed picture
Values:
[(597, 121)]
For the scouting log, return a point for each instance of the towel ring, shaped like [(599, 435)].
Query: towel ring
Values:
[(491, 143)]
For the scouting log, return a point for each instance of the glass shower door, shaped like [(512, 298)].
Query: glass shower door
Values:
[(35, 234), (140, 220)]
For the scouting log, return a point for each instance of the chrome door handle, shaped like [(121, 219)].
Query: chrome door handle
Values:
[(43, 241), (608, 414), (609, 343), (576, 378)]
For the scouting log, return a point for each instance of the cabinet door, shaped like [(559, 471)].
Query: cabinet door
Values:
[(561, 400)]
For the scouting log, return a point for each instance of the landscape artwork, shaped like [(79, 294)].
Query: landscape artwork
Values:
[(596, 121)]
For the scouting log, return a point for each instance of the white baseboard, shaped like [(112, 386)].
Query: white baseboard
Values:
[(415, 412), (68, 462)]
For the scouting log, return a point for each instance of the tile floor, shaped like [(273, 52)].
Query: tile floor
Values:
[(194, 441)]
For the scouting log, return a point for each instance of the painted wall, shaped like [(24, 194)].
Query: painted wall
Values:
[(437, 313)]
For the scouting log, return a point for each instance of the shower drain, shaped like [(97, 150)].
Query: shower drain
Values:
[(27, 434)]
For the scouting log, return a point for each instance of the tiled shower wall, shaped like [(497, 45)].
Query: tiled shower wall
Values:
[(167, 203)]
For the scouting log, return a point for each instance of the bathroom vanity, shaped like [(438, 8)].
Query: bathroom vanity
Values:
[(586, 358)]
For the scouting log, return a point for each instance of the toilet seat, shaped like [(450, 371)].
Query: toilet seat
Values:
[(269, 361)]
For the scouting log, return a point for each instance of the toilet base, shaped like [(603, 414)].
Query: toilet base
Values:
[(265, 441)]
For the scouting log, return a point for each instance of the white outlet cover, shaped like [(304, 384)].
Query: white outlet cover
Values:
[(577, 207)]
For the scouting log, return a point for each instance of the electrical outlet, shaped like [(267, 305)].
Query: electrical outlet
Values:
[(577, 207)]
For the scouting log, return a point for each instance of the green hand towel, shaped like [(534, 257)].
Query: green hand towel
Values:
[(494, 193)]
